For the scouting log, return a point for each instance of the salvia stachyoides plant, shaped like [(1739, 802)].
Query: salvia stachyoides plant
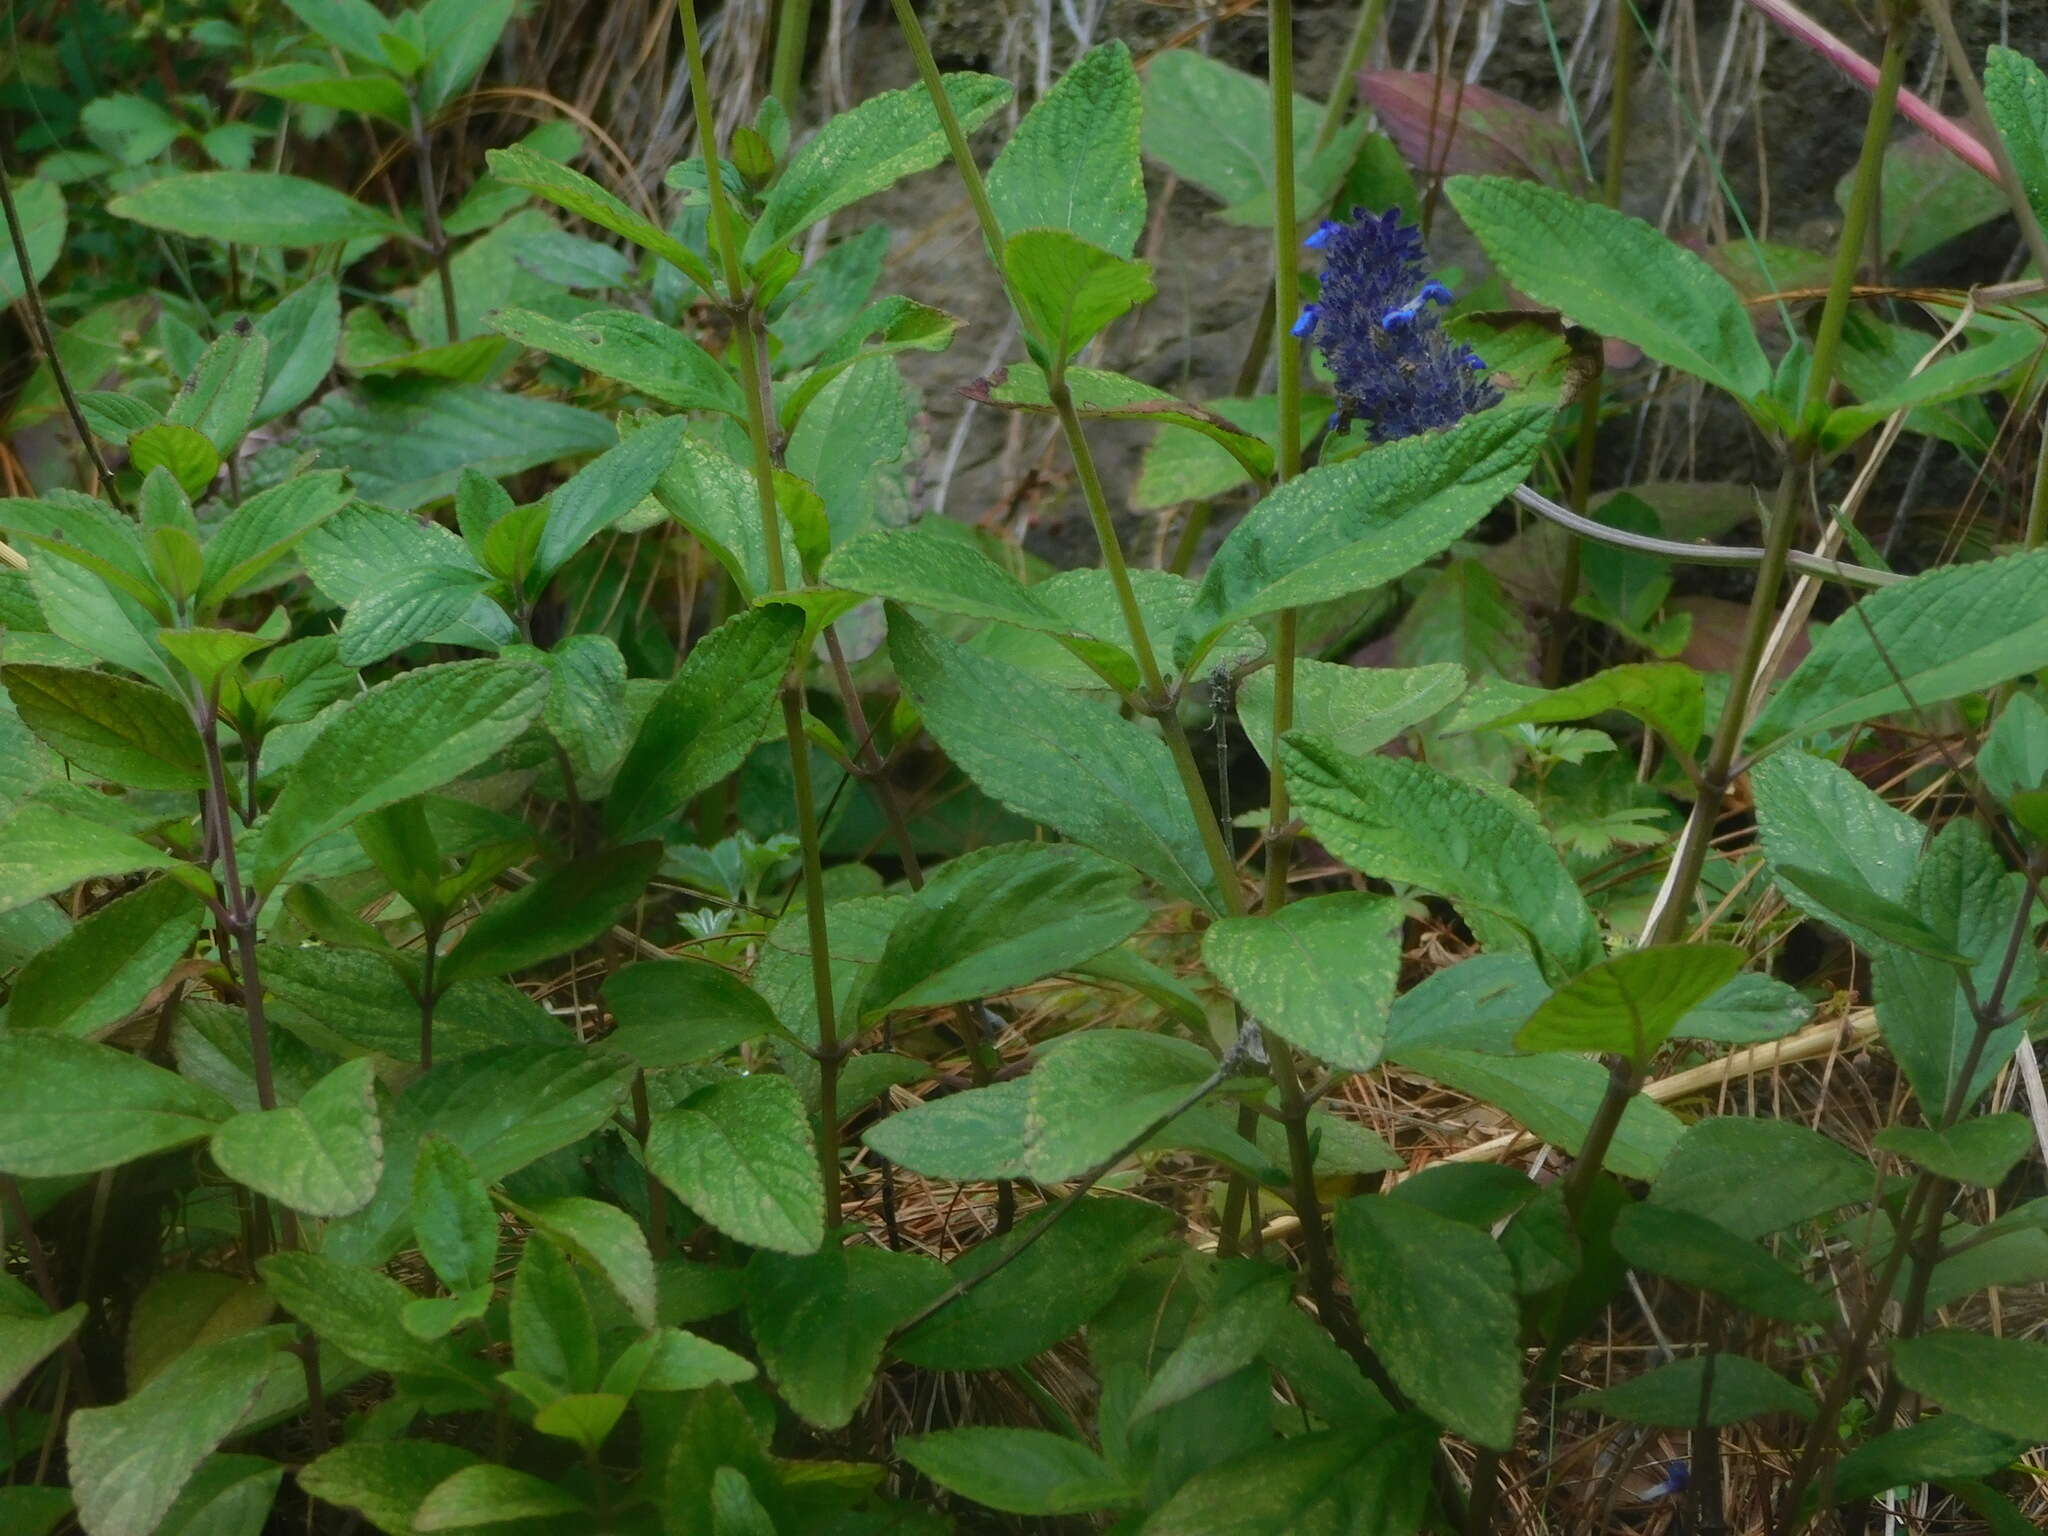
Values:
[(1378, 324), (568, 964)]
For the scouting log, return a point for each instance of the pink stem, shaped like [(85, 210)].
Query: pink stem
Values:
[(1953, 136)]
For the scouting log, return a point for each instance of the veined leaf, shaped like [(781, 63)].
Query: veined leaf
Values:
[(1628, 1006), (1342, 528), (1404, 821), (1057, 758), (858, 153), (1073, 164), (523, 166), (740, 1154), (403, 737), (1617, 275), (1927, 640), (252, 208), (1319, 972), (111, 727), (637, 350)]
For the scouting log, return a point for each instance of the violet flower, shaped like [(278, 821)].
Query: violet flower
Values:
[(1379, 329)]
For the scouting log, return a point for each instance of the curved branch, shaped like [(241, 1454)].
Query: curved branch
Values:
[(1730, 555)]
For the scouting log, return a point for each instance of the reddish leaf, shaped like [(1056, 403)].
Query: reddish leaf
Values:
[(1446, 128)]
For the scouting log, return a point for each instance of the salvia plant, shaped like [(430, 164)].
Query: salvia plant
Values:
[(576, 966)]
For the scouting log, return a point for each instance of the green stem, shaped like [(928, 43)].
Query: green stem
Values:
[(792, 32), (1363, 31), (1620, 102), (428, 997), (1673, 914), (1582, 492), (39, 323), (430, 215), (746, 345), (1287, 446)]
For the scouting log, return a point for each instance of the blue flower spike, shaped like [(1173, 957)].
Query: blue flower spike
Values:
[(1378, 324)]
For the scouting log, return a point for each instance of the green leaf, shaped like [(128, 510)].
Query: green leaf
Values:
[(184, 451), (384, 1480), (219, 398), (303, 329), (1212, 125), (1403, 821), (927, 568), (320, 1156), (1938, 1449), (999, 918), (1320, 972), (489, 1495), (44, 850), (260, 532), (28, 1338), (1686, 1247), (1250, 1305), (740, 1154), (1096, 1089), (714, 497), (1756, 1177), (2017, 93), (452, 1216), (229, 1495), (461, 38), (1019, 1471), (975, 1135), (1677, 1396), (1967, 901), (1371, 1482), (129, 1462), (605, 490), (639, 351), (1628, 1006), (404, 448), (40, 204), (563, 910), (1356, 709), (1341, 528), (111, 727), (606, 1239), (676, 1013), (1103, 396), (1932, 638), (848, 447), (1978, 1151), (1047, 1292), (1813, 816), (706, 721), (512, 1105), (1667, 696), (352, 1001), (1073, 163), (401, 738), (521, 166), (1067, 290), (376, 95), (1055, 757), (1616, 275), (1437, 1299), (252, 208), (181, 1310), (858, 153), (1556, 1097), (554, 1334), (81, 1107), (358, 1312), (821, 1321), (416, 606)]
